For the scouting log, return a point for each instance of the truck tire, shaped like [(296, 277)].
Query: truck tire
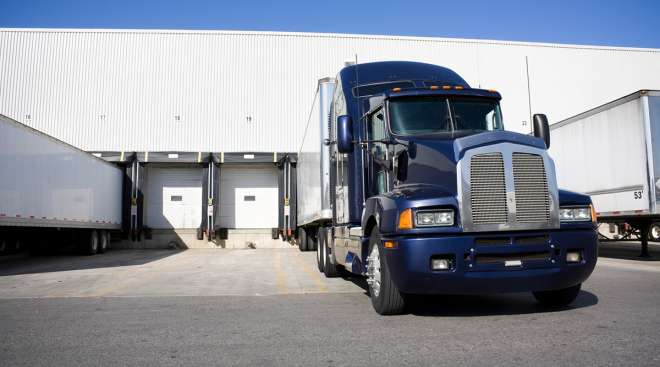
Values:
[(107, 234), (103, 241), (319, 249), (302, 239), (312, 242), (329, 268), (385, 298), (559, 297), (654, 232), (200, 234), (92, 245)]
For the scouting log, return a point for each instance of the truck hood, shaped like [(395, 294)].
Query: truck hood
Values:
[(433, 161)]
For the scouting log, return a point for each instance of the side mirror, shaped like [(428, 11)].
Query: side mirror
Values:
[(344, 134), (542, 129)]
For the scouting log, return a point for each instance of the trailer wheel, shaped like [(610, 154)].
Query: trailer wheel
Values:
[(109, 239), (200, 234), (92, 245), (654, 232), (385, 298), (559, 297), (103, 241), (312, 242), (319, 248), (329, 268), (302, 239)]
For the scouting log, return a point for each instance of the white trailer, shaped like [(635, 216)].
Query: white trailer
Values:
[(312, 185), (612, 153), (50, 189)]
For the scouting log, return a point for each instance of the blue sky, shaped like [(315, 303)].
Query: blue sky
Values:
[(634, 23)]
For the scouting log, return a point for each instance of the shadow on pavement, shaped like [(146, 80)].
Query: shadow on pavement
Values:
[(628, 250), (64, 261), (478, 305), (489, 305)]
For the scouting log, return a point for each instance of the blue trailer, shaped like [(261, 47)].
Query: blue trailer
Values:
[(429, 194)]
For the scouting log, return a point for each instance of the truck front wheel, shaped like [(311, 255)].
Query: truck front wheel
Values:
[(386, 299), (559, 297)]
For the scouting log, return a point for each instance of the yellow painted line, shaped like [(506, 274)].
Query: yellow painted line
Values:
[(280, 276), (311, 273)]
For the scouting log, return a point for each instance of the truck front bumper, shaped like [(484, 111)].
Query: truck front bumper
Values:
[(492, 263)]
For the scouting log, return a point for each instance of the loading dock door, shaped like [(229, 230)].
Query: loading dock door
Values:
[(174, 197), (248, 196)]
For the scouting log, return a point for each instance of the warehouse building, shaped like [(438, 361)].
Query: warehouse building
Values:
[(202, 120)]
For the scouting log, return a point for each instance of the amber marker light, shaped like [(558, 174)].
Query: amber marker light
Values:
[(396, 89), (446, 87), (458, 87), (434, 87), (594, 215), (405, 219), (389, 244)]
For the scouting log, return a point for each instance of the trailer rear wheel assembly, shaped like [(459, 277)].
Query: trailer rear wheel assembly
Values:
[(559, 297), (386, 299), (302, 239), (103, 241), (92, 245)]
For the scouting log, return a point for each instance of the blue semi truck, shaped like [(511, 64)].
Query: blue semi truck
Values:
[(410, 179)]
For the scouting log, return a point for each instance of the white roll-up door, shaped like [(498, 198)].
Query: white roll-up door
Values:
[(248, 196), (173, 197)]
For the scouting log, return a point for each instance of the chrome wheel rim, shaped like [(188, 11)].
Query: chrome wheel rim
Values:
[(655, 232), (318, 250), (373, 272)]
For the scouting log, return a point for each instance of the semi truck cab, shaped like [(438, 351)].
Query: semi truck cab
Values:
[(431, 195)]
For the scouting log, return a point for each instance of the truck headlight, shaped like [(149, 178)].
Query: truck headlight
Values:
[(434, 218), (575, 214)]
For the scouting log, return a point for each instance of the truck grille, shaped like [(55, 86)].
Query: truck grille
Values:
[(509, 189), (488, 189), (531, 185)]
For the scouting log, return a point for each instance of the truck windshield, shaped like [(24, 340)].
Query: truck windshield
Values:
[(432, 115)]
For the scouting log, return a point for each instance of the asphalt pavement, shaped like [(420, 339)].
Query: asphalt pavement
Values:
[(273, 308)]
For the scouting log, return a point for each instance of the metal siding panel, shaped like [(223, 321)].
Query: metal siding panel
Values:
[(140, 80)]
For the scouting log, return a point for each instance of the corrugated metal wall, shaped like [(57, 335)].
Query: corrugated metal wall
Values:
[(252, 91)]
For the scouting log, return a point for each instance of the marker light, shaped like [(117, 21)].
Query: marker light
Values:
[(396, 89), (434, 87), (389, 244), (446, 87), (405, 219), (458, 87)]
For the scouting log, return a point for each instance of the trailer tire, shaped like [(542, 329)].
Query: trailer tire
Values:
[(103, 241), (329, 268), (109, 240), (654, 232), (385, 298), (302, 239), (312, 242), (92, 245), (200, 234), (320, 246), (559, 297)]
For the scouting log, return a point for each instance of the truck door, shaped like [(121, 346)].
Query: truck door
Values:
[(378, 155)]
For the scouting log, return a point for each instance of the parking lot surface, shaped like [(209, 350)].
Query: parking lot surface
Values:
[(272, 307)]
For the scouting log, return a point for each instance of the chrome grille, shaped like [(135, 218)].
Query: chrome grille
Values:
[(531, 185), (488, 189)]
